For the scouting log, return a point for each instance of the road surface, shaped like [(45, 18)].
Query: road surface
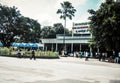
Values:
[(63, 70)]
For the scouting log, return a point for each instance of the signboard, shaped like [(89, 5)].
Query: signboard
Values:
[(81, 31), (80, 24), (81, 28)]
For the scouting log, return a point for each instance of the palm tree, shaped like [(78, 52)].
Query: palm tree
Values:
[(67, 10)]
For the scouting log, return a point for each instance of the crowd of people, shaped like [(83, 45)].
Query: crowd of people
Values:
[(110, 56)]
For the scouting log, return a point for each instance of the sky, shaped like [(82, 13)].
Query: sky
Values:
[(44, 11)]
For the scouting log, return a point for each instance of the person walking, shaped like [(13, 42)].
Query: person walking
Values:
[(33, 55), (19, 53), (86, 56)]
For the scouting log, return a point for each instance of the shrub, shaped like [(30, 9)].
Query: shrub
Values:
[(4, 51), (49, 54), (39, 54)]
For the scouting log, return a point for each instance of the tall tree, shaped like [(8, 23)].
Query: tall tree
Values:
[(59, 29), (48, 32), (8, 22), (66, 11), (31, 28), (52, 31), (14, 25), (105, 24)]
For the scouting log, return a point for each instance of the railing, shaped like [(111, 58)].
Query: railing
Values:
[(74, 37)]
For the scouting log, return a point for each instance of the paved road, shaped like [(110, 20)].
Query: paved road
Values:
[(64, 70)]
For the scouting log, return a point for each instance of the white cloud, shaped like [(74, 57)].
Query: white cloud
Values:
[(45, 10)]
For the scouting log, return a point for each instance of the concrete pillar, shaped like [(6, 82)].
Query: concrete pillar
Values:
[(91, 54), (43, 46), (71, 47), (56, 47), (65, 47), (46, 48), (52, 47), (80, 47), (90, 49)]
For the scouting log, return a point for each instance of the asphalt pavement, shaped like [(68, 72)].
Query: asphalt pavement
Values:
[(63, 70)]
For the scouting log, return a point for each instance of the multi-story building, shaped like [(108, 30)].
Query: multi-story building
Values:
[(77, 41)]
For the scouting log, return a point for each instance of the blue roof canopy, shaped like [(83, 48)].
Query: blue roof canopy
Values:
[(27, 45)]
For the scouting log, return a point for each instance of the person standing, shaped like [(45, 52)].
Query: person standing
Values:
[(103, 56), (100, 56), (33, 55), (116, 59), (86, 55), (63, 52), (81, 54)]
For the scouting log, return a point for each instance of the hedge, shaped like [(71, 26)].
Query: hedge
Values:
[(26, 54)]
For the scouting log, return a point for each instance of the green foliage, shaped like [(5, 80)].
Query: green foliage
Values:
[(38, 54), (48, 32), (49, 54), (105, 24), (31, 29), (8, 22), (15, 27), (51, 31), (4, 51), (66, 11), (58, 28)]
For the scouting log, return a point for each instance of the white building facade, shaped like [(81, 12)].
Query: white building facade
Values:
[(77, 41)]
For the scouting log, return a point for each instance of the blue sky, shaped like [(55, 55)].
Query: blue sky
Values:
[(82, 10), (45, 10)]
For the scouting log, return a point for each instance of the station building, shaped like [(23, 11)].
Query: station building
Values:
[(77, 41)]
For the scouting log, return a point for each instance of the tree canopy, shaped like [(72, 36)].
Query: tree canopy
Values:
[(14, 25), (8, 22), (105, 25), (31, 28), (51, 31), (67, 10)]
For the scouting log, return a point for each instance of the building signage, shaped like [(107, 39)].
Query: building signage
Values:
[(81, 28), (80, 24)]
